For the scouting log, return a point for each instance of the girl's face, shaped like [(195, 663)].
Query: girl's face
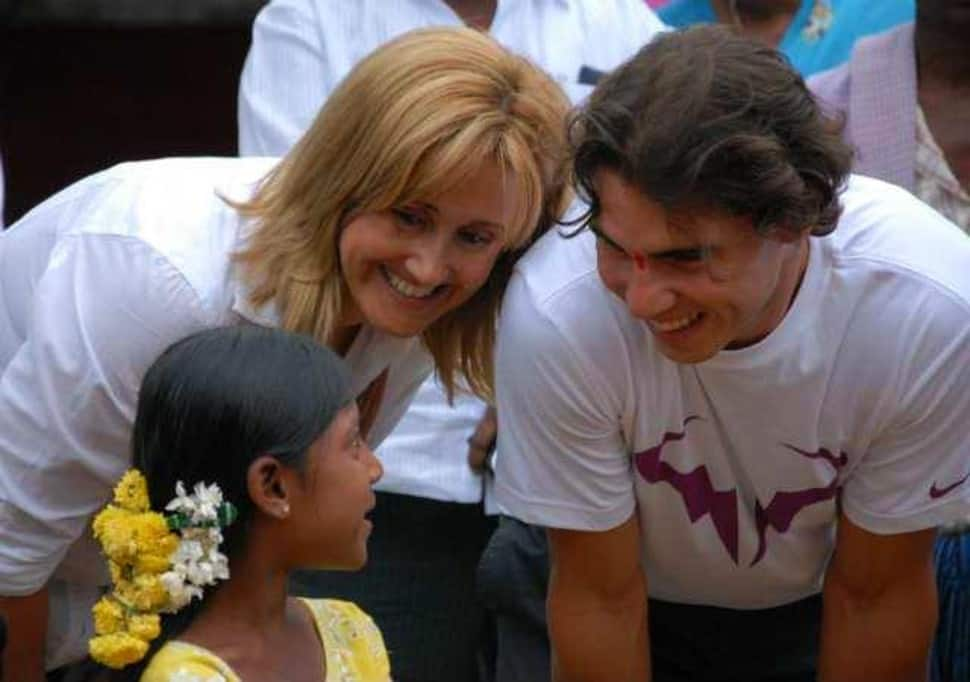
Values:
[(408, 266), (336, 495)]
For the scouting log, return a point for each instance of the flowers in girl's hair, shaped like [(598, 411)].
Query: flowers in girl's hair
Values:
[(197, 562), (157, 562)]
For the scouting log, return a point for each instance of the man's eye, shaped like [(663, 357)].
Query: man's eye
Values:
[(685, 255), (602, 239), (609, 244)]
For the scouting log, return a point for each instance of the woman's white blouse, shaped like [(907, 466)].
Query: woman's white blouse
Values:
[(94, 283)]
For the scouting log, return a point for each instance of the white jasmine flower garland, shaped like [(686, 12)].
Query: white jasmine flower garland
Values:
[(197, 562)]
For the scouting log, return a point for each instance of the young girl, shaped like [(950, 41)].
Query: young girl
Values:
[(388, 234), (250, 438)]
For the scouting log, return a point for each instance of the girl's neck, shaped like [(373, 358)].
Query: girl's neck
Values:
[(252, 603), (252, 625)]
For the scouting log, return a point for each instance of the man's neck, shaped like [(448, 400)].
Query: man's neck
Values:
[(763, 20), (475, 13)]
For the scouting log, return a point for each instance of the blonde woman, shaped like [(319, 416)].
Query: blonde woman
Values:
[(388, 233)]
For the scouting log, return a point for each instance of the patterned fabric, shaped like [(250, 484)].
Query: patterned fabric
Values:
[(935, 182), (821, 33), (876, 92), (352, 644)]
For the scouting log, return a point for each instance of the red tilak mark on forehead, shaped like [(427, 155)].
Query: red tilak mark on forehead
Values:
[(640, 261)]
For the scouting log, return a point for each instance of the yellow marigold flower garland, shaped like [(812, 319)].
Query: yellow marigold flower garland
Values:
[(144, 549), (138, 546)]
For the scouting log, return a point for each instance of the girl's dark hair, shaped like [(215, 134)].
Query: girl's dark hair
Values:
[(214, 402), (703, 118)]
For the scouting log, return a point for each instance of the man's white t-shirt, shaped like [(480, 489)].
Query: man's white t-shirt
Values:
[(94, 284), (736, 465), (302, 49)]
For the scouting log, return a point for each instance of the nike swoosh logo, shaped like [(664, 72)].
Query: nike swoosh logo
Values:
[(936, 493)]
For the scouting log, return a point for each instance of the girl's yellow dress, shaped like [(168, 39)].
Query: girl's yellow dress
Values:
[(352, 643)]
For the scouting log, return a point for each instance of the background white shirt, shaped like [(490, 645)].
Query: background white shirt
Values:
[(94, 283)]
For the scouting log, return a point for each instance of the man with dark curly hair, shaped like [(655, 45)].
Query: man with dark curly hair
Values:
[(738, 400)]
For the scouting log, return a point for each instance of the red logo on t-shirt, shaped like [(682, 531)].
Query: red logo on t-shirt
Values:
[(702, 498), (937, 493), (700, 495), (785, 505)]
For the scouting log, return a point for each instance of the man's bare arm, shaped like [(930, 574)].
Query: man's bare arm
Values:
[(597, 606), (879, 607)]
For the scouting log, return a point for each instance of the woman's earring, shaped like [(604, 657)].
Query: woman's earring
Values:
[(285, 510)]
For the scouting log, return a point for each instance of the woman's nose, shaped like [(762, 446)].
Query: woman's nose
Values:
[(429, 263)]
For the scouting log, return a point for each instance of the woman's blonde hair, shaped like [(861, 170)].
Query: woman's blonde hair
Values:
[(416, 118)]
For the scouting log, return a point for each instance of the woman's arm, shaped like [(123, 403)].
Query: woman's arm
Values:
[(26, 624)]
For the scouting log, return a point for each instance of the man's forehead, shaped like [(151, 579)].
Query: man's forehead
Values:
[(632, 218)]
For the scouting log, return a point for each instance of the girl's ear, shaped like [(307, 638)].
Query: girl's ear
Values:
[(268, 488)]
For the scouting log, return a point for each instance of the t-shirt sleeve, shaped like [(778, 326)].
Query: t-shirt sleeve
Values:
[(104, 309), (562, 462), (285, 79), (916, 472)]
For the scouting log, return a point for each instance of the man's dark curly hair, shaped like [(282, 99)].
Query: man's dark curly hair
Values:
[(705, 119)]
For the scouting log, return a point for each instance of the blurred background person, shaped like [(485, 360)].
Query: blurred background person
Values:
[(814, 34), (905, 95)]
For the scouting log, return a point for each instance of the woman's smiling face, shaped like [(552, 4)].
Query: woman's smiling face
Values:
[(407, 266)]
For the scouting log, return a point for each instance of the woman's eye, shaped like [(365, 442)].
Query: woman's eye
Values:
[(474, 238), (408, 218)]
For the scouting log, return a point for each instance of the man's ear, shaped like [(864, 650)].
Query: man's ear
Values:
[(268, 487)]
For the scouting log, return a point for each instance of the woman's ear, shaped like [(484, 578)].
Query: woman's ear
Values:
[(268, 488)]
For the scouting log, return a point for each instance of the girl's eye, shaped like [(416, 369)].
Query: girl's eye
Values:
[(357, 444)]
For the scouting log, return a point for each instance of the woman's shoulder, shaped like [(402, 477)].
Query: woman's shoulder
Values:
[(354, 646), (183, 662)]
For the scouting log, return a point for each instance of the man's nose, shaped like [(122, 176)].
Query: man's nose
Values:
[(648, 293)]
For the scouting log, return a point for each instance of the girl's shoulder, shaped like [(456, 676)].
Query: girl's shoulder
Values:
[(352, 641), (184, 662)]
